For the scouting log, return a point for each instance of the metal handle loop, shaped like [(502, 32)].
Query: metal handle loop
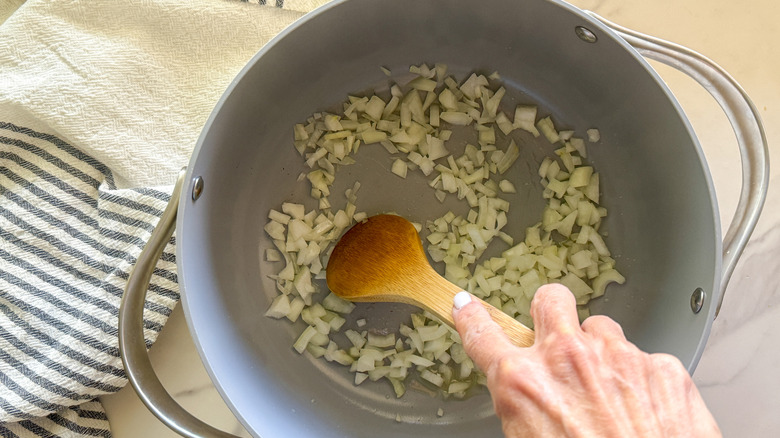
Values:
[(745, 121), (132, 345)]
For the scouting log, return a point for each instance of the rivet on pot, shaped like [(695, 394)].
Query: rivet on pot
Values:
[(697, 300), (585, 34), (197, 188)]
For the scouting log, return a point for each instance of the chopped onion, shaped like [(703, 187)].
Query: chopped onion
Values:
[(456, 118), (525, 118), (565, 246), (547, 128), (593, 135), (399, 168)]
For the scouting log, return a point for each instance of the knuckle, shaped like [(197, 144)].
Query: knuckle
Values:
[(672, 369), (548, 292), (509, 383), (553, 287), (627, 358), (507, 368), (551, 302), (599, 321), (569, 349), (668, 363)]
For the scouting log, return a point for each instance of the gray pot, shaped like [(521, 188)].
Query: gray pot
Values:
[(663, 222)]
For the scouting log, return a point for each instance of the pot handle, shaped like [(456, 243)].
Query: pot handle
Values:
[(745, 121), (132, 345)]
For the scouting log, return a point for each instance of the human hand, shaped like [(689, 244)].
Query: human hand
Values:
[(580, 380)]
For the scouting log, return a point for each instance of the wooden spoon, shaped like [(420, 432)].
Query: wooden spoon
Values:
[(382, 259)]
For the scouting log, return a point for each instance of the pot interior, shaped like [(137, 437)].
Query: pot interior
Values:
[(662, 227)]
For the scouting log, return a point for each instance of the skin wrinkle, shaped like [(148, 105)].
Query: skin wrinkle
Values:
[(586, 366), (586, 372), (536, 390), (491, 335), (666, 387), (612, 338), (581, 381)]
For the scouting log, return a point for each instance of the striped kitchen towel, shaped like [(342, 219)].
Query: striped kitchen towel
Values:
[(68, 240), (101, 103)]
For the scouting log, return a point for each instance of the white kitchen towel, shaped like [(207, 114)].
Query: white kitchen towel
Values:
[(101, 103)]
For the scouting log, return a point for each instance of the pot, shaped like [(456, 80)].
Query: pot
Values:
[(663, 224)]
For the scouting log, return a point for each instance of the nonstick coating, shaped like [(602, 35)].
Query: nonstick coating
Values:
[(662, 224)]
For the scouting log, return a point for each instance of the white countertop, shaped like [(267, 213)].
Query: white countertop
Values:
[(738, 374)]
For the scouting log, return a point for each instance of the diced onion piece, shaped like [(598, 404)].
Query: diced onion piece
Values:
[(448, 100), (504, 124), (399, 168), (592, 189), (547, 128), (337, 304), (565, 135), (593, 135), (419, 361), (278, 217), (577, 286), (303, 340), (579, 146), (472, 84), (296, 306), (399, 388), (525, 118), (375, 107), (456, 118), (373, 136), (432, 377), (272, 255), (365, 362), (491, 106), (423, 84), (279, 308), (566, 226), (600, 283), (332, 123), (487, 135), (580, 177), (511, 155), (506, 186), (381, 341), (456, 387), (275, 230), (582, 259), (598, 244)]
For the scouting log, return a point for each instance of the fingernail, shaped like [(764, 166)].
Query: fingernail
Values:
[(461, 299)]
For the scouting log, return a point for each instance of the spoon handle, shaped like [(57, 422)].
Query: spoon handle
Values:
[(437, 295), (518, 333)]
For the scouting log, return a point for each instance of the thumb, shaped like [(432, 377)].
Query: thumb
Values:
[(484, 340)]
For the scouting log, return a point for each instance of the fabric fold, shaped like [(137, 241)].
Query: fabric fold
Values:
[(101, 104), (68, 240)]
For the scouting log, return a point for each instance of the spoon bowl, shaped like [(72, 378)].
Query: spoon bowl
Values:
[(382, 259)]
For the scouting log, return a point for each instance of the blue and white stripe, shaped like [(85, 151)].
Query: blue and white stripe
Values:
[(86, 420), (68, 240)]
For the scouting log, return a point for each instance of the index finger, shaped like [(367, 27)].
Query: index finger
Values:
[(484, 340), (554, 310)]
